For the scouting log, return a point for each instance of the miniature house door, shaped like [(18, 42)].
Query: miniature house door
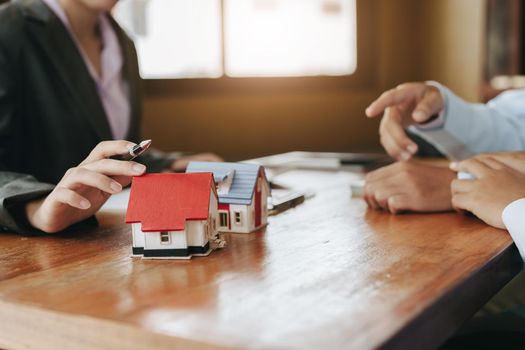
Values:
[(224, 216), (258, 207)]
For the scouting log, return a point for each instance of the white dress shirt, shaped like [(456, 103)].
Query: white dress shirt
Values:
[(465, 129)]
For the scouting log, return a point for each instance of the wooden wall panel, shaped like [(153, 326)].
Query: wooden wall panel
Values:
[(412, 40)]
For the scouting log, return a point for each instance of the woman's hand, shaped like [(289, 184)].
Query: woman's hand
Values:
[(85, 188), (182, 163), (496, 186), (407, 104)]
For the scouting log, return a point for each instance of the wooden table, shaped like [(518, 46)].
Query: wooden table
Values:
[(329, 274)]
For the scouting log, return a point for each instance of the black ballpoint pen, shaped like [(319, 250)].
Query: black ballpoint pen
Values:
[(134, 151)]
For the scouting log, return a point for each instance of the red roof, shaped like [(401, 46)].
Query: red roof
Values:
[(164, 202)]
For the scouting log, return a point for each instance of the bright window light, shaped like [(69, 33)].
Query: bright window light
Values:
[(290, 37), (183, 38), (174, 38)]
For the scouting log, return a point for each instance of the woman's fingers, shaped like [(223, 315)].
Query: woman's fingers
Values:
[(70, 197), (462, 186), (106, 149), (462, 201), (472, 166), (79, 176), (112, 167), (492, 163)]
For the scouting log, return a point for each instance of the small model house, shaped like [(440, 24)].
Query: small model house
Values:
[(243, 194), (173, 216)]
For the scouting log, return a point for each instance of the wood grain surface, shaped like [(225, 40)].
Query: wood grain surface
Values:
[(329, 274)]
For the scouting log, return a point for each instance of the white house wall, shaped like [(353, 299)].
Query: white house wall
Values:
[(264, 205), (214, 210), (138, 236), (177, 240), (246, 218), (196, 235)]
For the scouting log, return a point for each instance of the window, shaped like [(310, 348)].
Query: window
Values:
[(165, 237), (223, 219), (241, 38), (238, 218), (174, 39), (289, 37)]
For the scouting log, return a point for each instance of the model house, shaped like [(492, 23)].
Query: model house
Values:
[(243, 194), (173, 216)]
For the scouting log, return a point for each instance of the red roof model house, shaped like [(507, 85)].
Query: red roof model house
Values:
[(173, 216)]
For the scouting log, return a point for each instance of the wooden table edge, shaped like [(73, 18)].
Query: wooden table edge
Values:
[(44, 329), (479, 287)]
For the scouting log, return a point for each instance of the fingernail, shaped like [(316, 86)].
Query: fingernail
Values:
[(84, 204), (138, 168), (412, 148), (418, 115), (115, 186), (405, 156)]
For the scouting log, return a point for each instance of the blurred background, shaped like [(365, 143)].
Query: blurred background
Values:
[(246, 78)]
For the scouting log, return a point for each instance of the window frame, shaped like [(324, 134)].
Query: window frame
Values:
[(224, 214), (165, 234), (238, 218), (363, 77)]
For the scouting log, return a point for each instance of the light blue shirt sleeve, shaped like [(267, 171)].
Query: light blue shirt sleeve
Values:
[(471, 128)]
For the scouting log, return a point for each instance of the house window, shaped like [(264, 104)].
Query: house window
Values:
[(241, 38), (223, 219), (165, 237), (238, 218)]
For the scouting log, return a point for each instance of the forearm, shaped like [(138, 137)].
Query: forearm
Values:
[(16, 190)]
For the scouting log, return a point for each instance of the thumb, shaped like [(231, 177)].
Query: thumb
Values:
[(430, 105)]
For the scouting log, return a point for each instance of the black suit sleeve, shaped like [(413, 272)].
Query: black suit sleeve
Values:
[(15, 188)]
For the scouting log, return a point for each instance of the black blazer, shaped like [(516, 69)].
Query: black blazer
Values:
[(51, 115)]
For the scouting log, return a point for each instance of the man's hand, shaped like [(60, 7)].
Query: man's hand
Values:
[(407, 104), (496, 186), (84, 189), (182, 163), (409, 186)]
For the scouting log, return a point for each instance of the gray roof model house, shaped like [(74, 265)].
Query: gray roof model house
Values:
[(243, 194)]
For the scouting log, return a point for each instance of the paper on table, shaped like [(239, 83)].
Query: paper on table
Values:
[(117, 202)]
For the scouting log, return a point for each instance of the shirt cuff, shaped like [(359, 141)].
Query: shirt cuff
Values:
[(514, 219), (454, 120)]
